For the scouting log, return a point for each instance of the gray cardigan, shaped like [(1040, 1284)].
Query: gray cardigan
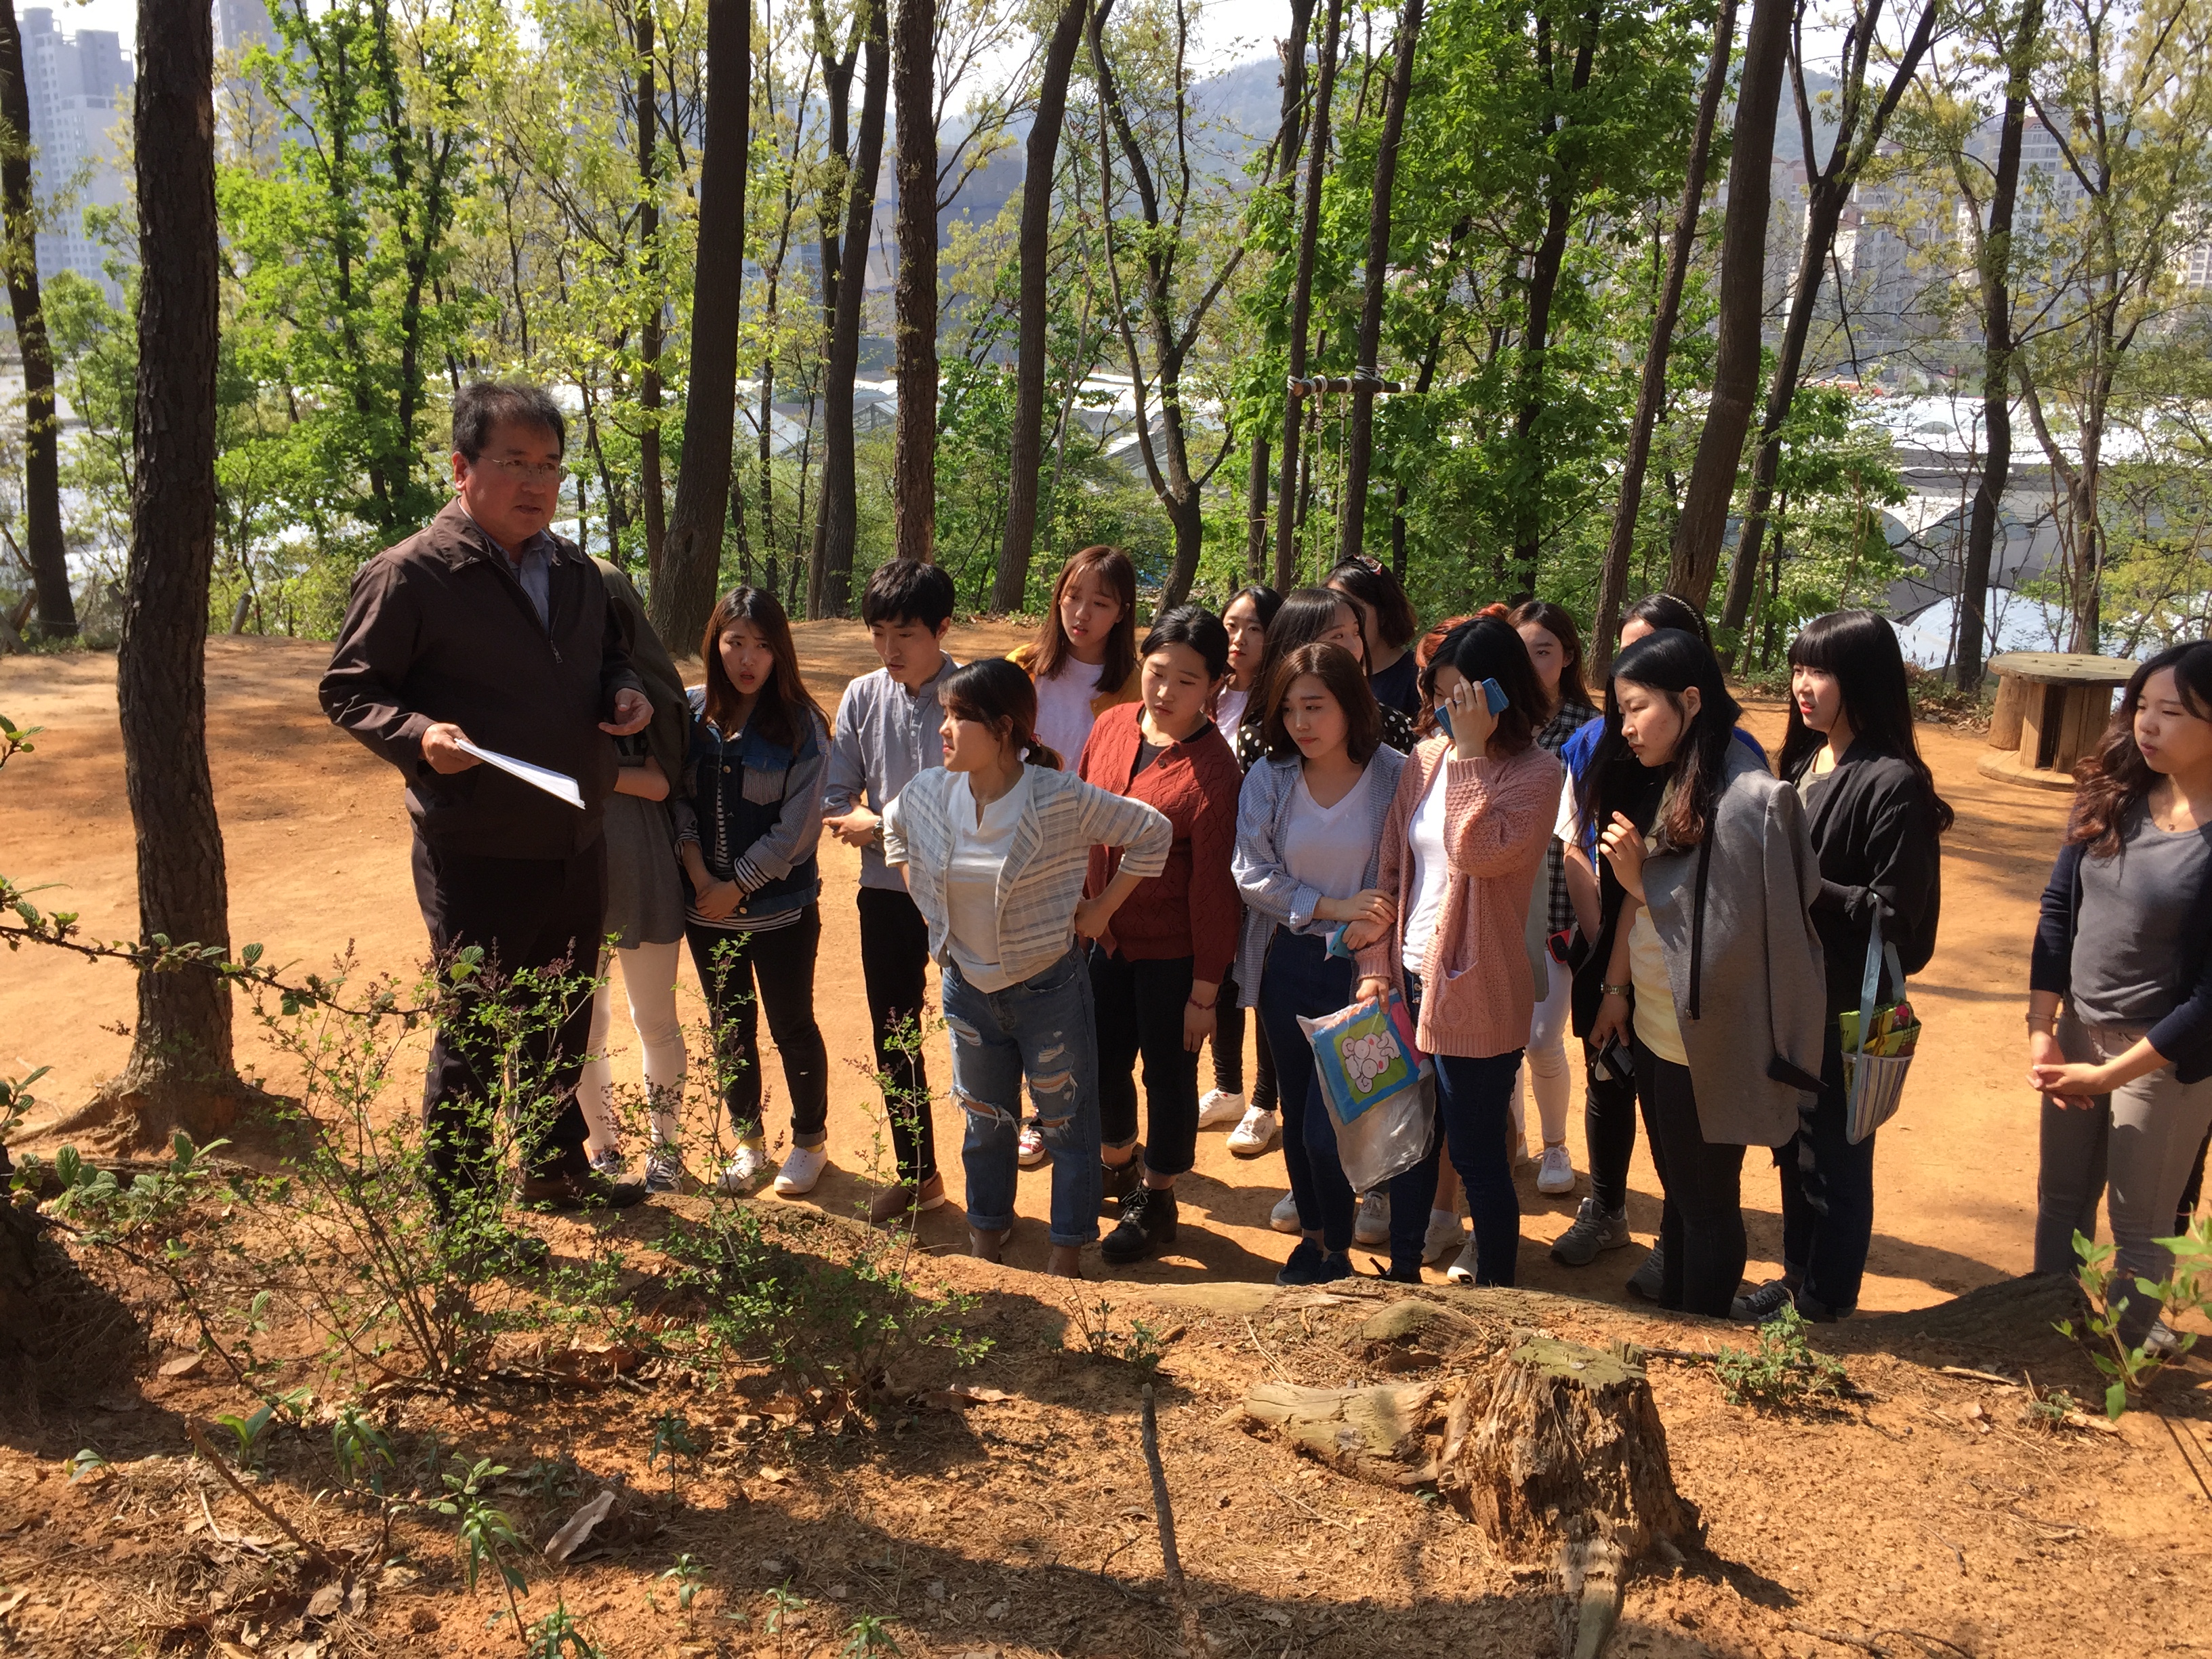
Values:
[(1273, 896), (1761, 990)]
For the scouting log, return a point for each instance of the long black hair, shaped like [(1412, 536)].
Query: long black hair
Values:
[(1305, 614), (784, 710), (1664, 610), (1860, 650), (1669, 662), (2117, 776), (1485, 648)]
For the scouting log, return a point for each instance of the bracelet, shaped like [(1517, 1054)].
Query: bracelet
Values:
[(1203, 1007), (2046, 1023), (1614, 990)]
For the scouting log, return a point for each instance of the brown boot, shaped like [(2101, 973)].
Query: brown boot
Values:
[(901, 1199)]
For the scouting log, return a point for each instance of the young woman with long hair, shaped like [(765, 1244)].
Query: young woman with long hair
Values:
[(747, 836), (1388, 629), (1461, 850), (1555, 651), (1308, 835), (1157, 974), (995, 846), (1877, 825), (1609, 1109), (645, 906), (1249, 615), (1312, 616), (2119, 1023), (1716, 974)]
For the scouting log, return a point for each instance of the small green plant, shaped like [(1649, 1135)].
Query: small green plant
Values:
[(1783, 1369), (781, 1604), (672, 1438), (2128, 1367), (558, 1636), (16, 1100), (2050, 1408), (363, 1451), (86, 1462), (1141, 1348), (248, 1431), (868, 1636)]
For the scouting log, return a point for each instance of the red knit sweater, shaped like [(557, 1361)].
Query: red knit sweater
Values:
[(1191, 907), (1476, 997)]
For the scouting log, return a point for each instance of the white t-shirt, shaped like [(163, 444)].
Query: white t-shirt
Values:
[(1229, 712), (1431, 875), (971, 883), (1064, 717), (1327, 848)]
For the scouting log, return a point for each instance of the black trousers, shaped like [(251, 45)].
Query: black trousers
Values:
[(1140, 1005), (893, 952), (780, 962), (1228, 1051), (525, 915), (1609, 1129), (1702, 1221)]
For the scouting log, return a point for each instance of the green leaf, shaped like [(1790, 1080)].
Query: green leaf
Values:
[(2116, 1400)]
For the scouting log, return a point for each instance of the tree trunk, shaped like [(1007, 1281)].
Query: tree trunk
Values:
[(1537, 333), (1996, 362), (649, 342), (838, 520), (1832, 188), (1651, 394), (179, 1072), (1009, 586), (682, 595), (1697, 550), (1366, 371), (1255, 511), (913, 450), (1286, 515), (42, 490)]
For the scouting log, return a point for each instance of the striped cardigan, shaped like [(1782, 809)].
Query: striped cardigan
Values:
[(1042, 881)]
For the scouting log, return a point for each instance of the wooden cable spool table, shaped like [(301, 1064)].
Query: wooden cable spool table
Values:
[(2052, 706)]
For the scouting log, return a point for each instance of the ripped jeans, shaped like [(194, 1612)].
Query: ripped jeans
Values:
[(1044, 1027)]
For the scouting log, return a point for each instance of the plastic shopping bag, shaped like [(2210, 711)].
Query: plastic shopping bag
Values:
[(1376, 1086)]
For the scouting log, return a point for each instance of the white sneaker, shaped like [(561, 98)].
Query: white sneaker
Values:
[(746, 1169), (1256, 1134), (1030, 1149), (609, 1162), (1462, 1271), (1217, 1109), (1444, 1238), (802, 1168), (1558, 1174), (1284, 1218), (1373, 1225)]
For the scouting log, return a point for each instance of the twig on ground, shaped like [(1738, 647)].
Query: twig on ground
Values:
[(2181, 1444), (314, 1551), (1871, 1643), (1163, 1514), (1979, 1376), (1262, 1347), (1947, 1544), (1327, 1520)]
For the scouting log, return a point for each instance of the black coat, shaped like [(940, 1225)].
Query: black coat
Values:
[(1874, 831)]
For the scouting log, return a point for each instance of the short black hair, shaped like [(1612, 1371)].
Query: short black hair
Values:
[(1196, 626), (1375, 588), (908, 590), (483, 404)]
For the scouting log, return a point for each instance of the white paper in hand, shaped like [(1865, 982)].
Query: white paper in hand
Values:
[(558, 784)]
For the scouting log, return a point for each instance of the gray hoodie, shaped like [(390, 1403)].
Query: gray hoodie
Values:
[(1753, 1021)]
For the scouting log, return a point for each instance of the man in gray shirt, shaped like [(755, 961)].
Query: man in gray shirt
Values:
[(887, 732)]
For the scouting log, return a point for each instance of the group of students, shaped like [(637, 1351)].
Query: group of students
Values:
[(1113, 847)]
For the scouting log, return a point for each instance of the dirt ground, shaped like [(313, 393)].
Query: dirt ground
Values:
[(1928, 1516), (316, 836)]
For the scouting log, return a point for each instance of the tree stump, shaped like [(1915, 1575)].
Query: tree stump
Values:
[(1555, 1451)]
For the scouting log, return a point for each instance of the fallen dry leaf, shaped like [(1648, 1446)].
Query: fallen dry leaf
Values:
[(324, 1602), (8, 1604), (184, 1366), (779, 1476), (960, 1397), (565, 1542)]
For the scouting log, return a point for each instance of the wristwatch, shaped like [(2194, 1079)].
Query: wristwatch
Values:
[(1614, 990)]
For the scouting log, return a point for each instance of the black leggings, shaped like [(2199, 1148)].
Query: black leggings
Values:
[(1139, 1006), (893, 952), (782, 960), (1609, 1129), (1702, 1224), (1228, 1051)]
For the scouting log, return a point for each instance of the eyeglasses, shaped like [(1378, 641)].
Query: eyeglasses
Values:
[(525, 471)]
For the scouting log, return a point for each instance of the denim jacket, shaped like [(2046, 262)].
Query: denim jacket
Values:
[(755, 810)]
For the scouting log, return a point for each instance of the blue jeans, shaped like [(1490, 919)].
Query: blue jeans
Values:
[(1474, 1099), (1300, 978), (1043, 1026)]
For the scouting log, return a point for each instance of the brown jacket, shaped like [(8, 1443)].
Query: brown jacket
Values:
[(439, 629)]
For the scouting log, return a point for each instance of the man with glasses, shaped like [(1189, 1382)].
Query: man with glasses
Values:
[(487, 632)]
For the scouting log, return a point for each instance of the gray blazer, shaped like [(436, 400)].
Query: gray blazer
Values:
[(1761, 990)]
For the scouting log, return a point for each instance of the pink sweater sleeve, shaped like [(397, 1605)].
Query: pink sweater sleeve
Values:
[(1500, 814)]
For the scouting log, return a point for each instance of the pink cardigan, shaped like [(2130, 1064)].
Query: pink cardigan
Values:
[(1476, 999)]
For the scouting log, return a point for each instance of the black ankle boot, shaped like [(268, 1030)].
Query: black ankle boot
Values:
[(1148, 1221)]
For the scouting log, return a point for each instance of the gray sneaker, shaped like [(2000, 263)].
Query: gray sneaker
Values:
[(1650, 1278), (1763, 1304), (663, 1170), (1594, 1229)]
